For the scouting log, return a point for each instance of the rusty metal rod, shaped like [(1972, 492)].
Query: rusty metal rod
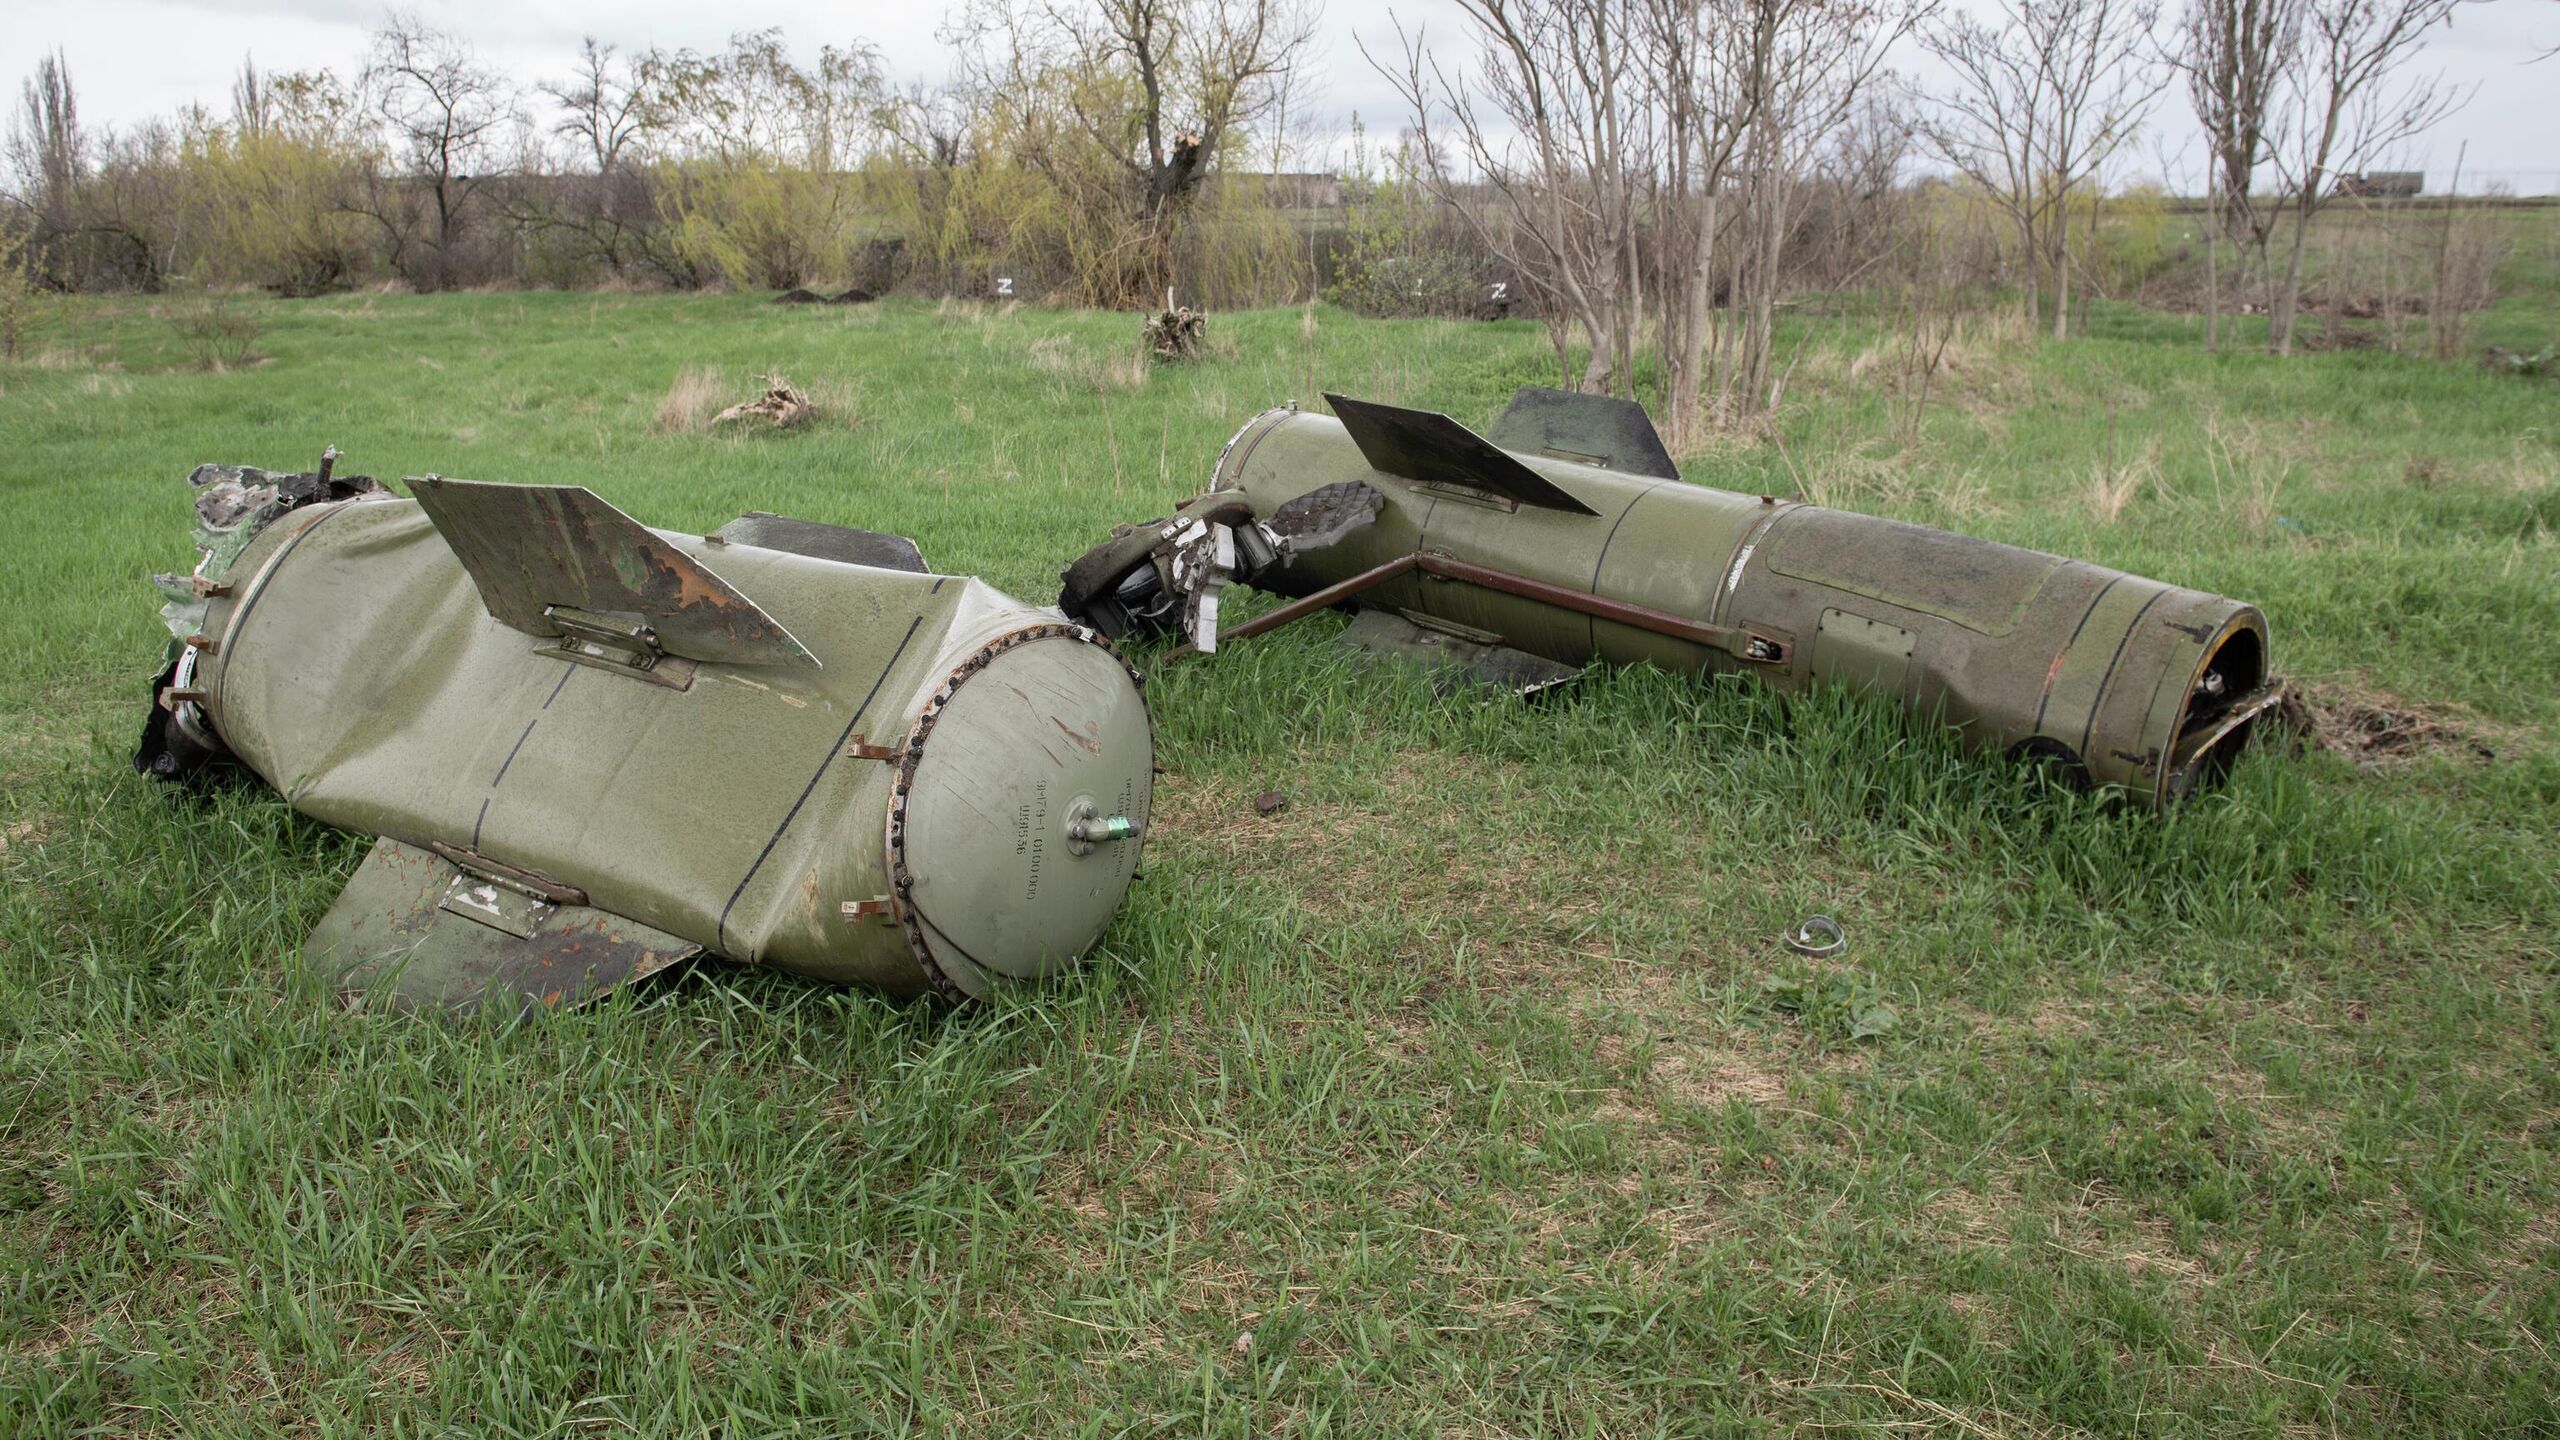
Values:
[(1324, 599), (1641, 617)]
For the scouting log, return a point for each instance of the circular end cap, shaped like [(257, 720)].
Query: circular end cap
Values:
[(1006, 866)]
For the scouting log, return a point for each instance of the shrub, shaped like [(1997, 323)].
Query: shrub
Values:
[(215, 330)]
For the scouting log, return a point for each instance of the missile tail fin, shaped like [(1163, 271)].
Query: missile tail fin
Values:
[(842, 543), (1429, 448), (1600, 430), (1447, 654), (533, 549), (414, 931)]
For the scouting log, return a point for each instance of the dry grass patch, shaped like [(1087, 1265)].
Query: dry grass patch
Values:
[(690, 400), (2528, 469), (700, 397), (2114, 485), (1857, 477), (1846, 477), (2378, 730), (2101, 1226), (1717, 1075), (1076, 366), (2062, 1016)]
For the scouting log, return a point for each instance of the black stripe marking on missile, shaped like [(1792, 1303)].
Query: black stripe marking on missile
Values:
[(277, 564), (500, 777), (2047, 697), (722, 932), (2109, 678), (1603, 558), (561, 684)]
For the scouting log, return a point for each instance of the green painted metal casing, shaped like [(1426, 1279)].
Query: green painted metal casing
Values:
[(2107, 674), (895, 816)]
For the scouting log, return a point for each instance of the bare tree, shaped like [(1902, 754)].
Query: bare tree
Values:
[(595, 199), (2345, 106), (1825, 54), (250, 101), (1713, 65), (17, 281), (2234, 55), (445, 112), (1558, 147), (601, 106), (1127, 105), (48, 154), (1637, 163), (2043, 98), (753, 154), (934, 135), (753, 104)]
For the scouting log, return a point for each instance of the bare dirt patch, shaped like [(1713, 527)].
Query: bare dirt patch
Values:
[(2379, 731)]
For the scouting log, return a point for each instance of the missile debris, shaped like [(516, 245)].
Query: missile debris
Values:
[(1566, 535), (592, 749)]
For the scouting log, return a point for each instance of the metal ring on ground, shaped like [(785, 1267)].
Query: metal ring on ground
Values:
[(1816, 936)]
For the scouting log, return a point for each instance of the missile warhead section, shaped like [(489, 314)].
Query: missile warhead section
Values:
[(592, 749), (1566, 535)]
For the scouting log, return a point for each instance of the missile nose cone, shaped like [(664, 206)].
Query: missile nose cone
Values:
[(993, 834)]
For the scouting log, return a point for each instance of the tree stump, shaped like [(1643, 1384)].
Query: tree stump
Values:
[(781, 403), (1175, 333)]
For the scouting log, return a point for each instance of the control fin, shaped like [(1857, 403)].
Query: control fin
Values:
[(820, 541), (534, 548), (415, 931), (1431, 449), (1448, 654), (1601, 430)]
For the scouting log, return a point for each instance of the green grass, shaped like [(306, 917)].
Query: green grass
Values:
[(1471, 1094)]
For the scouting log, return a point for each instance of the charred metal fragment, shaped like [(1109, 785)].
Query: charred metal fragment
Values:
[(1326, 515)]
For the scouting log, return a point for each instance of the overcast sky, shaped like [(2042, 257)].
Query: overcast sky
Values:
[(132, 59)]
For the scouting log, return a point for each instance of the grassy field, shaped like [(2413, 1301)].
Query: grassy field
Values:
[(1469, 1095)]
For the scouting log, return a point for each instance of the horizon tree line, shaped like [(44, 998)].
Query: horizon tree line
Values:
[(1653, 177)]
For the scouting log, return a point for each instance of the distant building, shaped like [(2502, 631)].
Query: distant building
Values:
[(2382, 184)]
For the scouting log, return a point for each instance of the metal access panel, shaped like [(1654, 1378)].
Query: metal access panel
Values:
[(1865, 655), (1454, 650)]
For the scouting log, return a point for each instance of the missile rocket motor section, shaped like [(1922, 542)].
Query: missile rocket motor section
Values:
[(1565, 534), (589, 753)]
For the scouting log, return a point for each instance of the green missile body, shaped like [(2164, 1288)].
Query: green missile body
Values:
[(1565, 535), (589, 754)]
